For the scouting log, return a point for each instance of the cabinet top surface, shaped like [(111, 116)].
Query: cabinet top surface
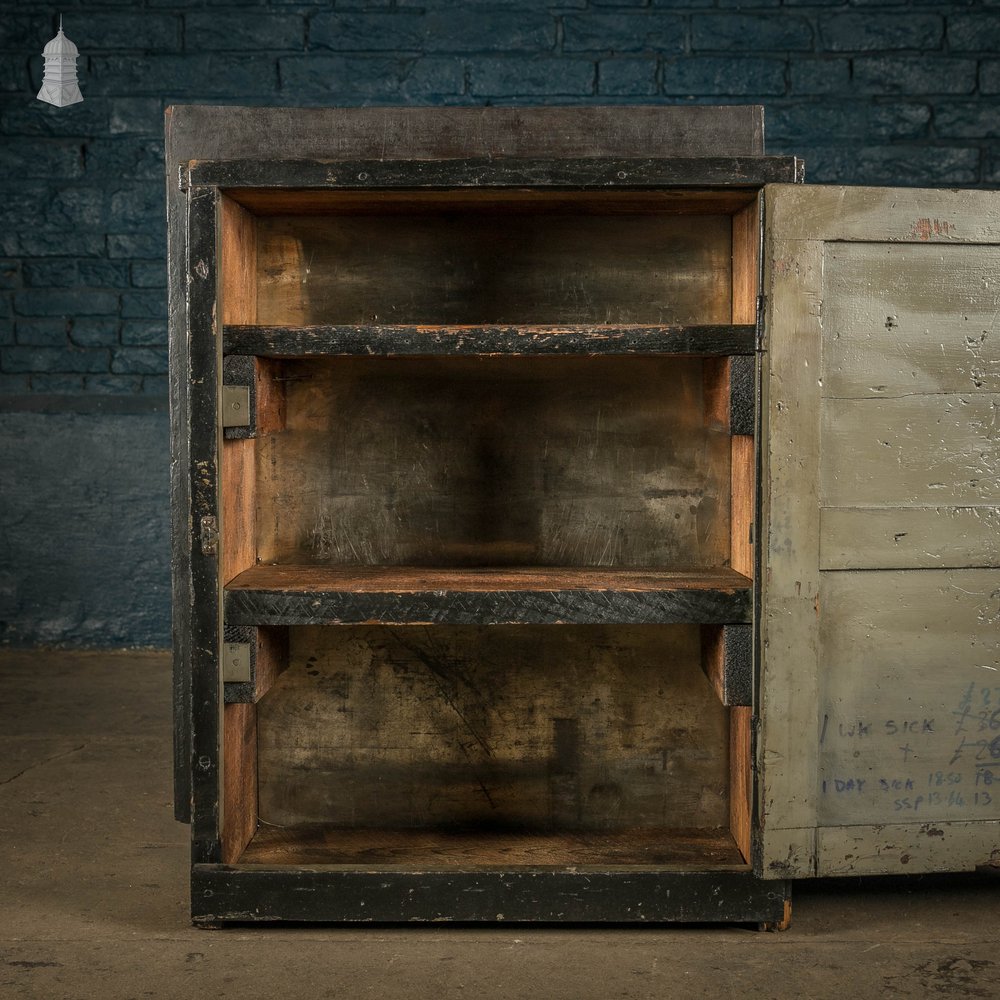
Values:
[(223, 132)]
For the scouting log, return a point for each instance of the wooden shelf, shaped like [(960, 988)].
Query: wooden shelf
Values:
[(400, 340), (320, 595), (417, 849)]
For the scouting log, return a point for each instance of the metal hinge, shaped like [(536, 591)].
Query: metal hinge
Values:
[(209, 526), (761, 306), (235, 406), (754, 731), (182, 177), (236, 662)]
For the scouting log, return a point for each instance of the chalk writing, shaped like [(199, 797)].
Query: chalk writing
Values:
[(933, 754), (892, 727)]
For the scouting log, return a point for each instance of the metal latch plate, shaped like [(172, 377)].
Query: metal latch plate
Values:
[(236, 662), (235, 406)]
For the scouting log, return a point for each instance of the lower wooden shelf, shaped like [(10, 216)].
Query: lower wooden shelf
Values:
[(320, 595), (419, 850)]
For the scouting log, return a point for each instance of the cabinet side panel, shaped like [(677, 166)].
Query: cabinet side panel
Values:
[(203, 374), (180, 482), (237, 530), (746, 286), (239, 807)]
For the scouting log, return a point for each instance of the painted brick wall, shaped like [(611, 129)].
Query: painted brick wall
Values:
[(889, 92), (868, 91)]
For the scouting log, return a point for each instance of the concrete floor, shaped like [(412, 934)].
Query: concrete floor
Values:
[(93, 894)]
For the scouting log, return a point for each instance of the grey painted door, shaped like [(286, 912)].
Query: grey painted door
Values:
[(879, 675)]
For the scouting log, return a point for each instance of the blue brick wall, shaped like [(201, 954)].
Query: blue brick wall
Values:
[(900, 92), (889, 92)]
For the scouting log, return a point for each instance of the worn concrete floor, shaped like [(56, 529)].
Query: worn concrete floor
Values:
[(93, 894)]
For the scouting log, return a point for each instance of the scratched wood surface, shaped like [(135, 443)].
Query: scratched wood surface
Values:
[(267, 201), (907, 319), (238, 813), (901, 438), (908, 847), (505, 268), (910, 730), (789, 588), (383, 340), (495, 461), (497, 727), (318, 844), (293, 594), (909, 537), (226, 133)]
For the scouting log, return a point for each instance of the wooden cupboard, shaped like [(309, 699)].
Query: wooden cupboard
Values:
[(562, 532)]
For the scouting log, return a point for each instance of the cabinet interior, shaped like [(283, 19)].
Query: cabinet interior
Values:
[(410, 744)]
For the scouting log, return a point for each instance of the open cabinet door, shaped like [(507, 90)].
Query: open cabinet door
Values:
[(878, 694)]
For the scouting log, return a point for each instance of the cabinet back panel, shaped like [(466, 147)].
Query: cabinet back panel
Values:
[(495, 462), (527, 727), (443, 267)]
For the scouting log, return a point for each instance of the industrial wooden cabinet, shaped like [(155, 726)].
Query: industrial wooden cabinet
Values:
[(543, 549)]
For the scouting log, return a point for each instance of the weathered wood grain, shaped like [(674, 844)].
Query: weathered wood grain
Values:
[(239, 785), (746, 237), (902, 419), (727, 660), (178, 383), (237, 263), (202, 589), (502, 172), (741, 778), (914, 848), (465, 266), (495, 461), (224, 893), (910, 727), (238, 507), (499, 728), (293, 594), (385, 340), (931, 450), (607, 201), (464, 850), (228, 132), (789, 588), (883, 214), (905, 319), (743, 381), (909, 537)]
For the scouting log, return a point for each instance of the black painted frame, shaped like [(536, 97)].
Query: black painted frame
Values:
[(228, 893)]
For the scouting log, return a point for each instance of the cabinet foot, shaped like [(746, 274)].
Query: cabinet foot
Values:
[(779, 925)]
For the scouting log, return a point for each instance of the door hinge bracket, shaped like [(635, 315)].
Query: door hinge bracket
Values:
[(235, 406), (182, 177), (209, 527), (236, 662)]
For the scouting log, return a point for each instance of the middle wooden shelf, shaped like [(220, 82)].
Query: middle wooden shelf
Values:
[(725, 339), (295, 594)]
